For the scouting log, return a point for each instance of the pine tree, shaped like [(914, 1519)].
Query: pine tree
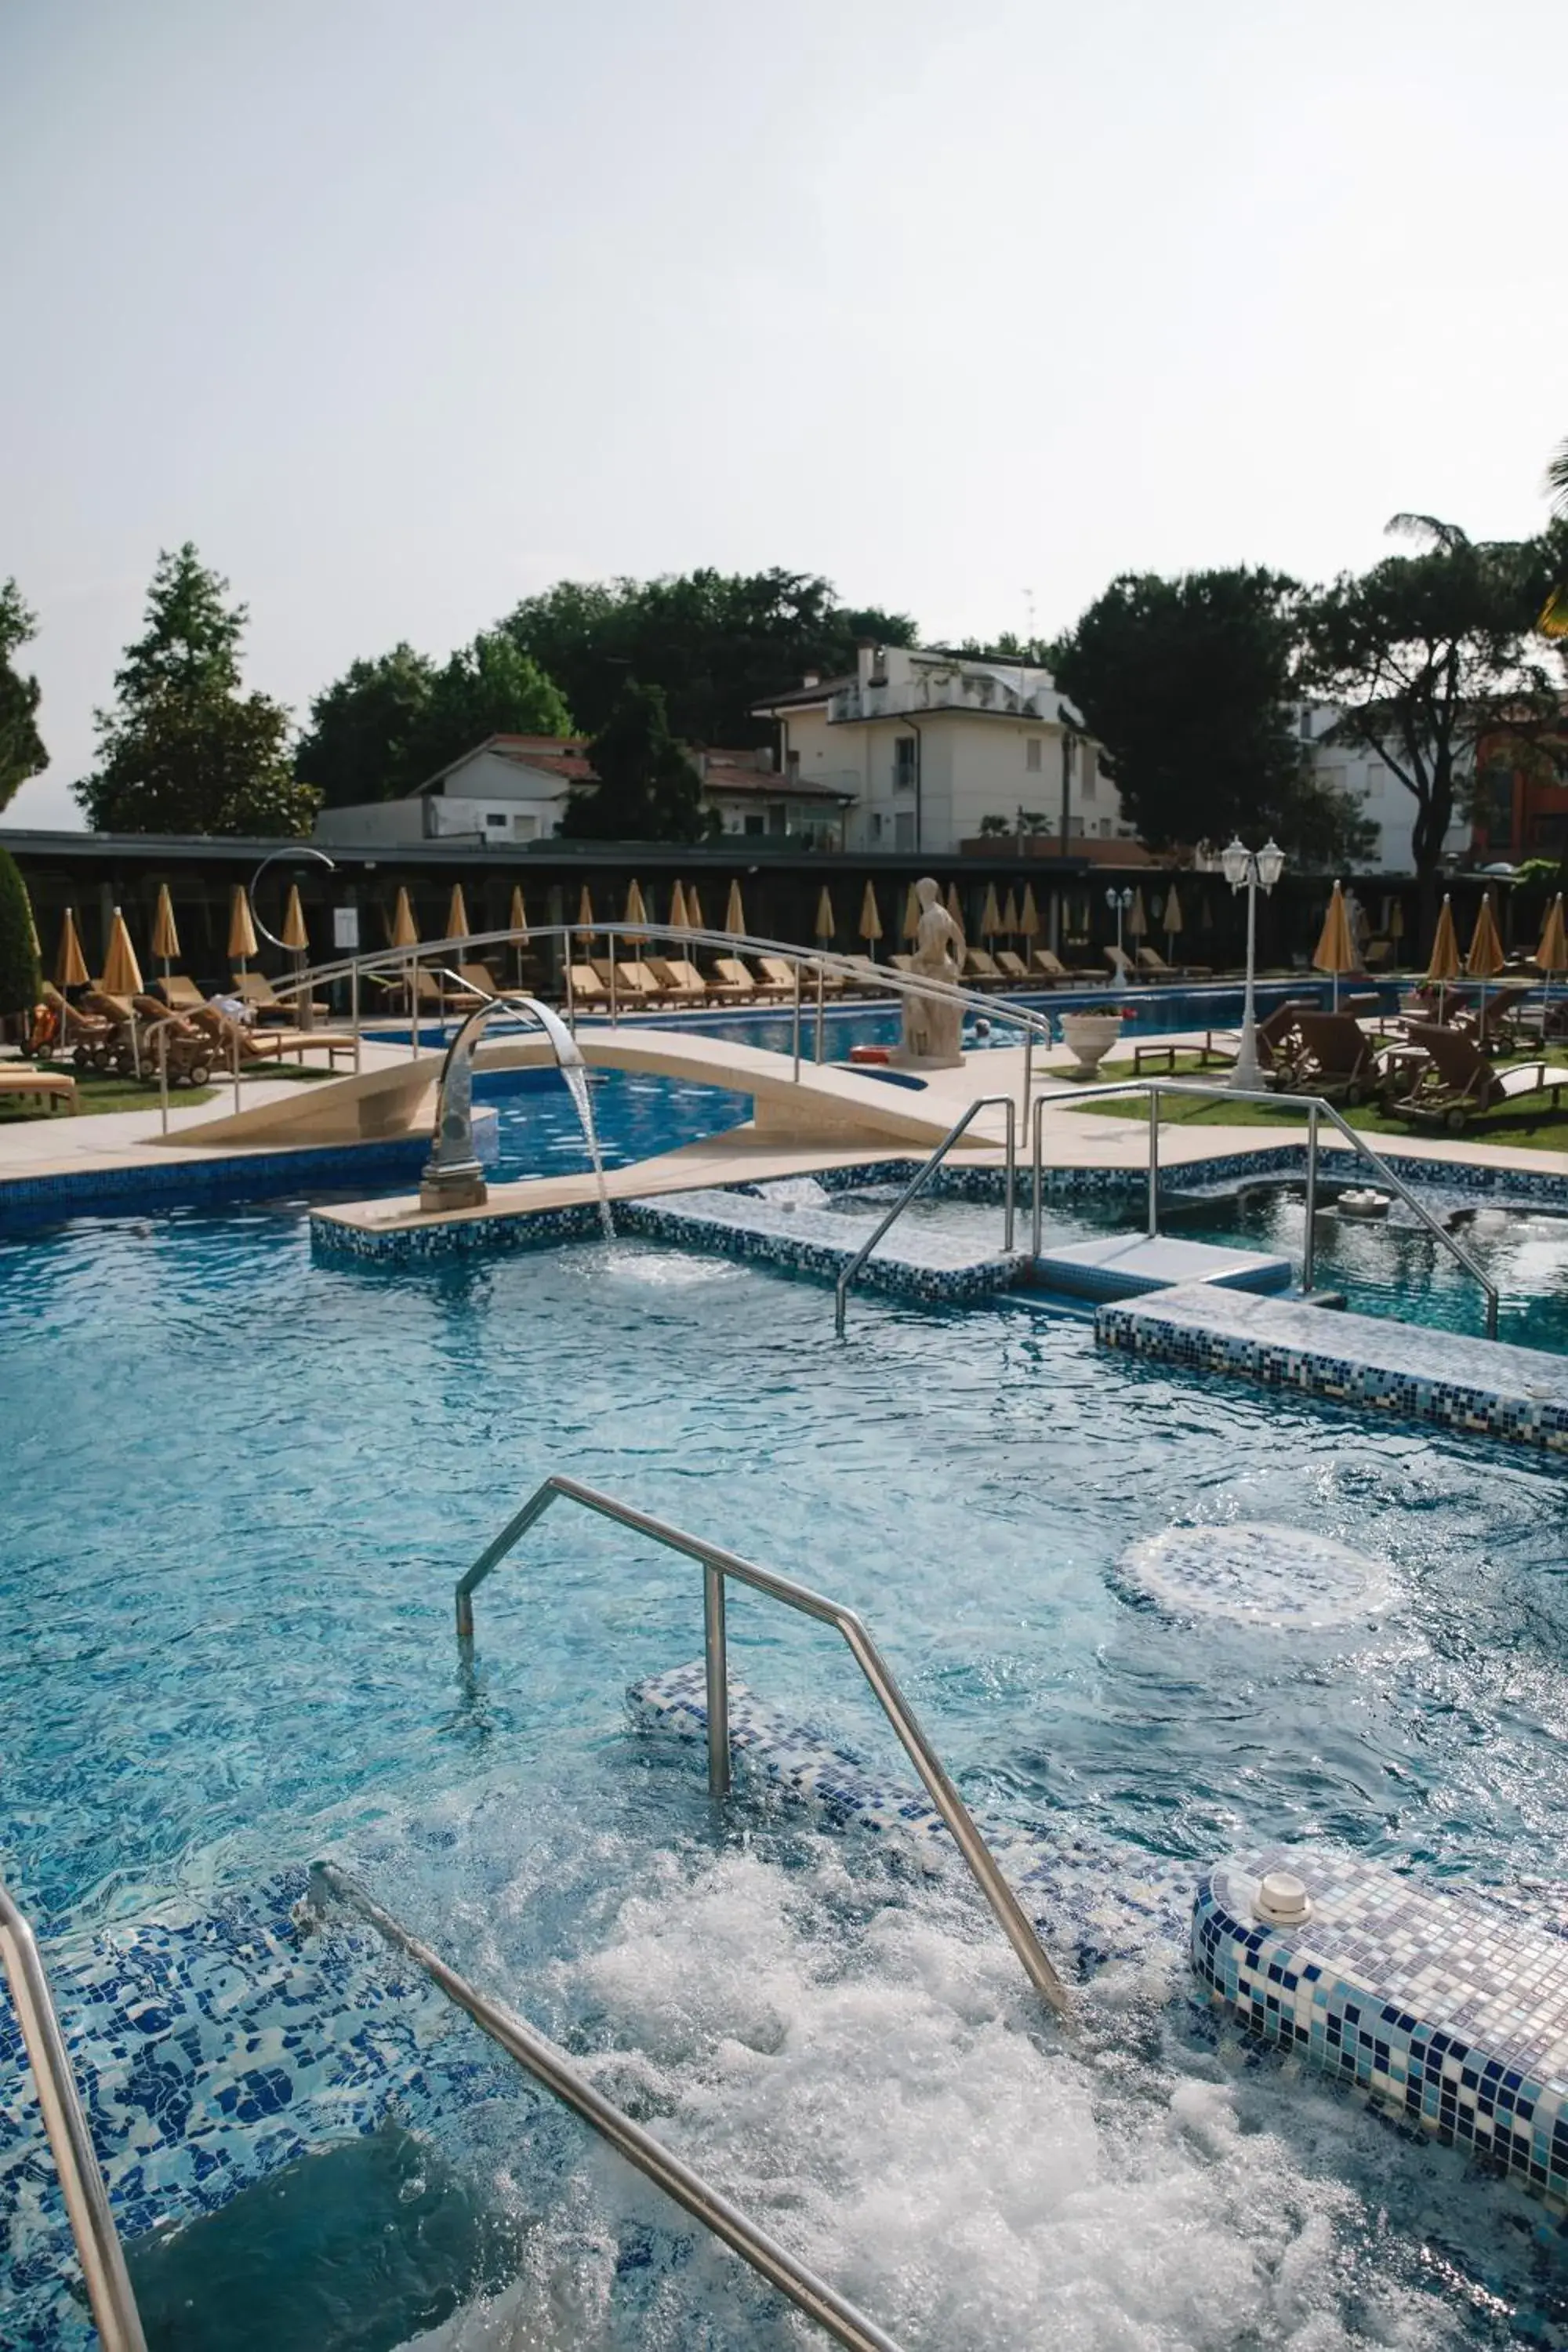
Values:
[(648, 788), (184, 750)]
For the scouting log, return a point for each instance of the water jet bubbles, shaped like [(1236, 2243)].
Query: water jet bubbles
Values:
[(1258, 1572)]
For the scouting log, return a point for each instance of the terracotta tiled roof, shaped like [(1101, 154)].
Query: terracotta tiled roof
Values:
[(767, 785)]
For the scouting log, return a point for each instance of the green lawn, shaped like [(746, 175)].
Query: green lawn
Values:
[(96, 1093), (1544, 1130)]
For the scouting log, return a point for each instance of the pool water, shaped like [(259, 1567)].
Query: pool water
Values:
[(1392, 1265), (240, 1484)]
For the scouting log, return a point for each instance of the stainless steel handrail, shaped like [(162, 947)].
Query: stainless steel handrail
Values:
[(1316, 1108), (918, 1182), (97, 2243), (551, 2067), (717, 1564)]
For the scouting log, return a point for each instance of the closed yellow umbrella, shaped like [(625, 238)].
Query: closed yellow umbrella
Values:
[(1486, 958), (956, 905), (990, 914), (678, 921), (1171, 920), (1551, 955), (825, 923), (457, 913), (1138, 917), (241, 930), (870, 918), (734, 913), (585, 914), (121, 973), (165, 938), (405, 929), (1029, 914), (1010, 916), (637, 917), (519, 930), (911, 927), (1397, 920), (1444, 966), (71, 964), (293, 934), (1335, 950), (695, 919)]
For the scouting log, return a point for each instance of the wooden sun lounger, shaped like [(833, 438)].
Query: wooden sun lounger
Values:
[(778, 975), (588, 988), (55, 1089), (479, 977), (180, 994), (1012, 966), (680, 978), (1458, 1083), (254, 987), (1049, 965), (980, 964), (1152, 961), (732, 979)]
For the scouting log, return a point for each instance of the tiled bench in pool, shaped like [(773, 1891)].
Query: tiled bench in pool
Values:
[(1440, 2009)]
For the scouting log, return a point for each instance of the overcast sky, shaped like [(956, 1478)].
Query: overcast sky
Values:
[(402, 311)]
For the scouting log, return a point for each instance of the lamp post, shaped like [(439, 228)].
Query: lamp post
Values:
[(1121, 901), (1251, 869)]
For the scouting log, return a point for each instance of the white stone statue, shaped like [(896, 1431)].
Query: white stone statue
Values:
[(933, 1026)]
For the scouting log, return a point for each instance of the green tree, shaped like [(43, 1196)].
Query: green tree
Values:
[(1188, 685), (715, 642), (648, 789), (490, 688), (19, 951), (1554, 619), (360, 742), (1428, 655), (183, 750), (21, 753)]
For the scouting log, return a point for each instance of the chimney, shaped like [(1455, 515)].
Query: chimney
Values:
[(812, 677)]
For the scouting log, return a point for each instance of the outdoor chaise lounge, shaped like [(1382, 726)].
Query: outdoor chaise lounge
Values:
[(1122, 967), (980, 964), (1012, 966), (586, 987), (180, 994), (479, 977), (53, 1088), (266, 1045), (1153, 962), (731, 979), (1458, 1083), (1049, 966), (778, 974), (255, 988), (679, 979), (1336, 1059)]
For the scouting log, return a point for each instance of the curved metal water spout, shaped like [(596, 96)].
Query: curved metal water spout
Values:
[(452, 1177)]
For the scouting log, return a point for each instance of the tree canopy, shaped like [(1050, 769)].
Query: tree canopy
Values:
[(386, 725), (1188, 685), (18, 949), (1428, 655), (647, 789), (21, 753), (713, 642), (183, 750)]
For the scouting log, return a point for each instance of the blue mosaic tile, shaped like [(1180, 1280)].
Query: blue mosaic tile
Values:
[(1475, 1387)]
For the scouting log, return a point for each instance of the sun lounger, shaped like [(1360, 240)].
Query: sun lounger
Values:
[(171, 1042), (732, 979), (978, 964), (1152, 961), (588, 988), (778, 974), (1122, 967), (266, 1045), (1337, 1059), (636, 984), (479, 977), (1457, 1084), (53, 1089), (255, 988), (1012, 966), (679, 979), (1048, 965), (87, 1037), (180, 994), (864, 973)]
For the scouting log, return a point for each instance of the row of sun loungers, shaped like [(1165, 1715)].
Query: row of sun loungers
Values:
[(1426, 1073)]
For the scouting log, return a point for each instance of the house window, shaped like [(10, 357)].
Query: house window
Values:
[(904, 829), (876, 824), (524, 827), (904, 749), (1088, 773), (1032, 755), (495, 819), (755, 822)]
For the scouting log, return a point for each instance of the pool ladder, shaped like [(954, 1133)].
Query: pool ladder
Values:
[(98, 2245)]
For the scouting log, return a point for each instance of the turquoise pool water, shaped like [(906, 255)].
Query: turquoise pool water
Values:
[(239, 1486)]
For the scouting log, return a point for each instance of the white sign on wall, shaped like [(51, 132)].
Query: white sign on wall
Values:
[(345, 929)]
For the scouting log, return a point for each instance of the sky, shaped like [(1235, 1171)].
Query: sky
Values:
[(403, 312)]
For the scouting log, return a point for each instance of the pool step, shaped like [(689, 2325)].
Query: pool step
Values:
[(1127, 1266), (1446, 2011)]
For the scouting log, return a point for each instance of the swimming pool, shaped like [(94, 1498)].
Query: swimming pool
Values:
[(240, 1486)]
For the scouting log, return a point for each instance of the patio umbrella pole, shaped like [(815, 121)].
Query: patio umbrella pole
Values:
[(820, 985), (796, 1041), (414, 1008), (234, 1050), (614, 1015), (354, 1009), (163, 1075)]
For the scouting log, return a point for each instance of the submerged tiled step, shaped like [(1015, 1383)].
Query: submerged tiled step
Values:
[(1124, 1265), (1446, 2011)]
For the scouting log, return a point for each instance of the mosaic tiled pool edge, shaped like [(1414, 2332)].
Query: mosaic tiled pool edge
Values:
[(1482, 1387), (1465, 2036)]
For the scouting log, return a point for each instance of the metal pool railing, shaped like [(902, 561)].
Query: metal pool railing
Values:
[(1315, 1108), (717, 1565), (918, 1184), (551, 2067), (98, 2246)]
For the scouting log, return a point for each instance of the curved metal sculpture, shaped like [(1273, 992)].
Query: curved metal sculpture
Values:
[(452, 1177)]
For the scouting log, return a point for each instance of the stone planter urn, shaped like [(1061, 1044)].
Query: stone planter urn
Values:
[(1091, 1036)]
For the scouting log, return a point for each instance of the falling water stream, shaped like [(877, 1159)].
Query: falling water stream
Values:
[(576, 1077)]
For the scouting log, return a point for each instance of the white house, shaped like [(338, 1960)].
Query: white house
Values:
[(512, 789), (1385, 801), (922, 747)]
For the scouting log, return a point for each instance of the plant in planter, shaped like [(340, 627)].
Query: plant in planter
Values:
[(1091, 1036)]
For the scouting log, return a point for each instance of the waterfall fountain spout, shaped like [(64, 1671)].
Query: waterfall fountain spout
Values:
[(452, 1177)]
